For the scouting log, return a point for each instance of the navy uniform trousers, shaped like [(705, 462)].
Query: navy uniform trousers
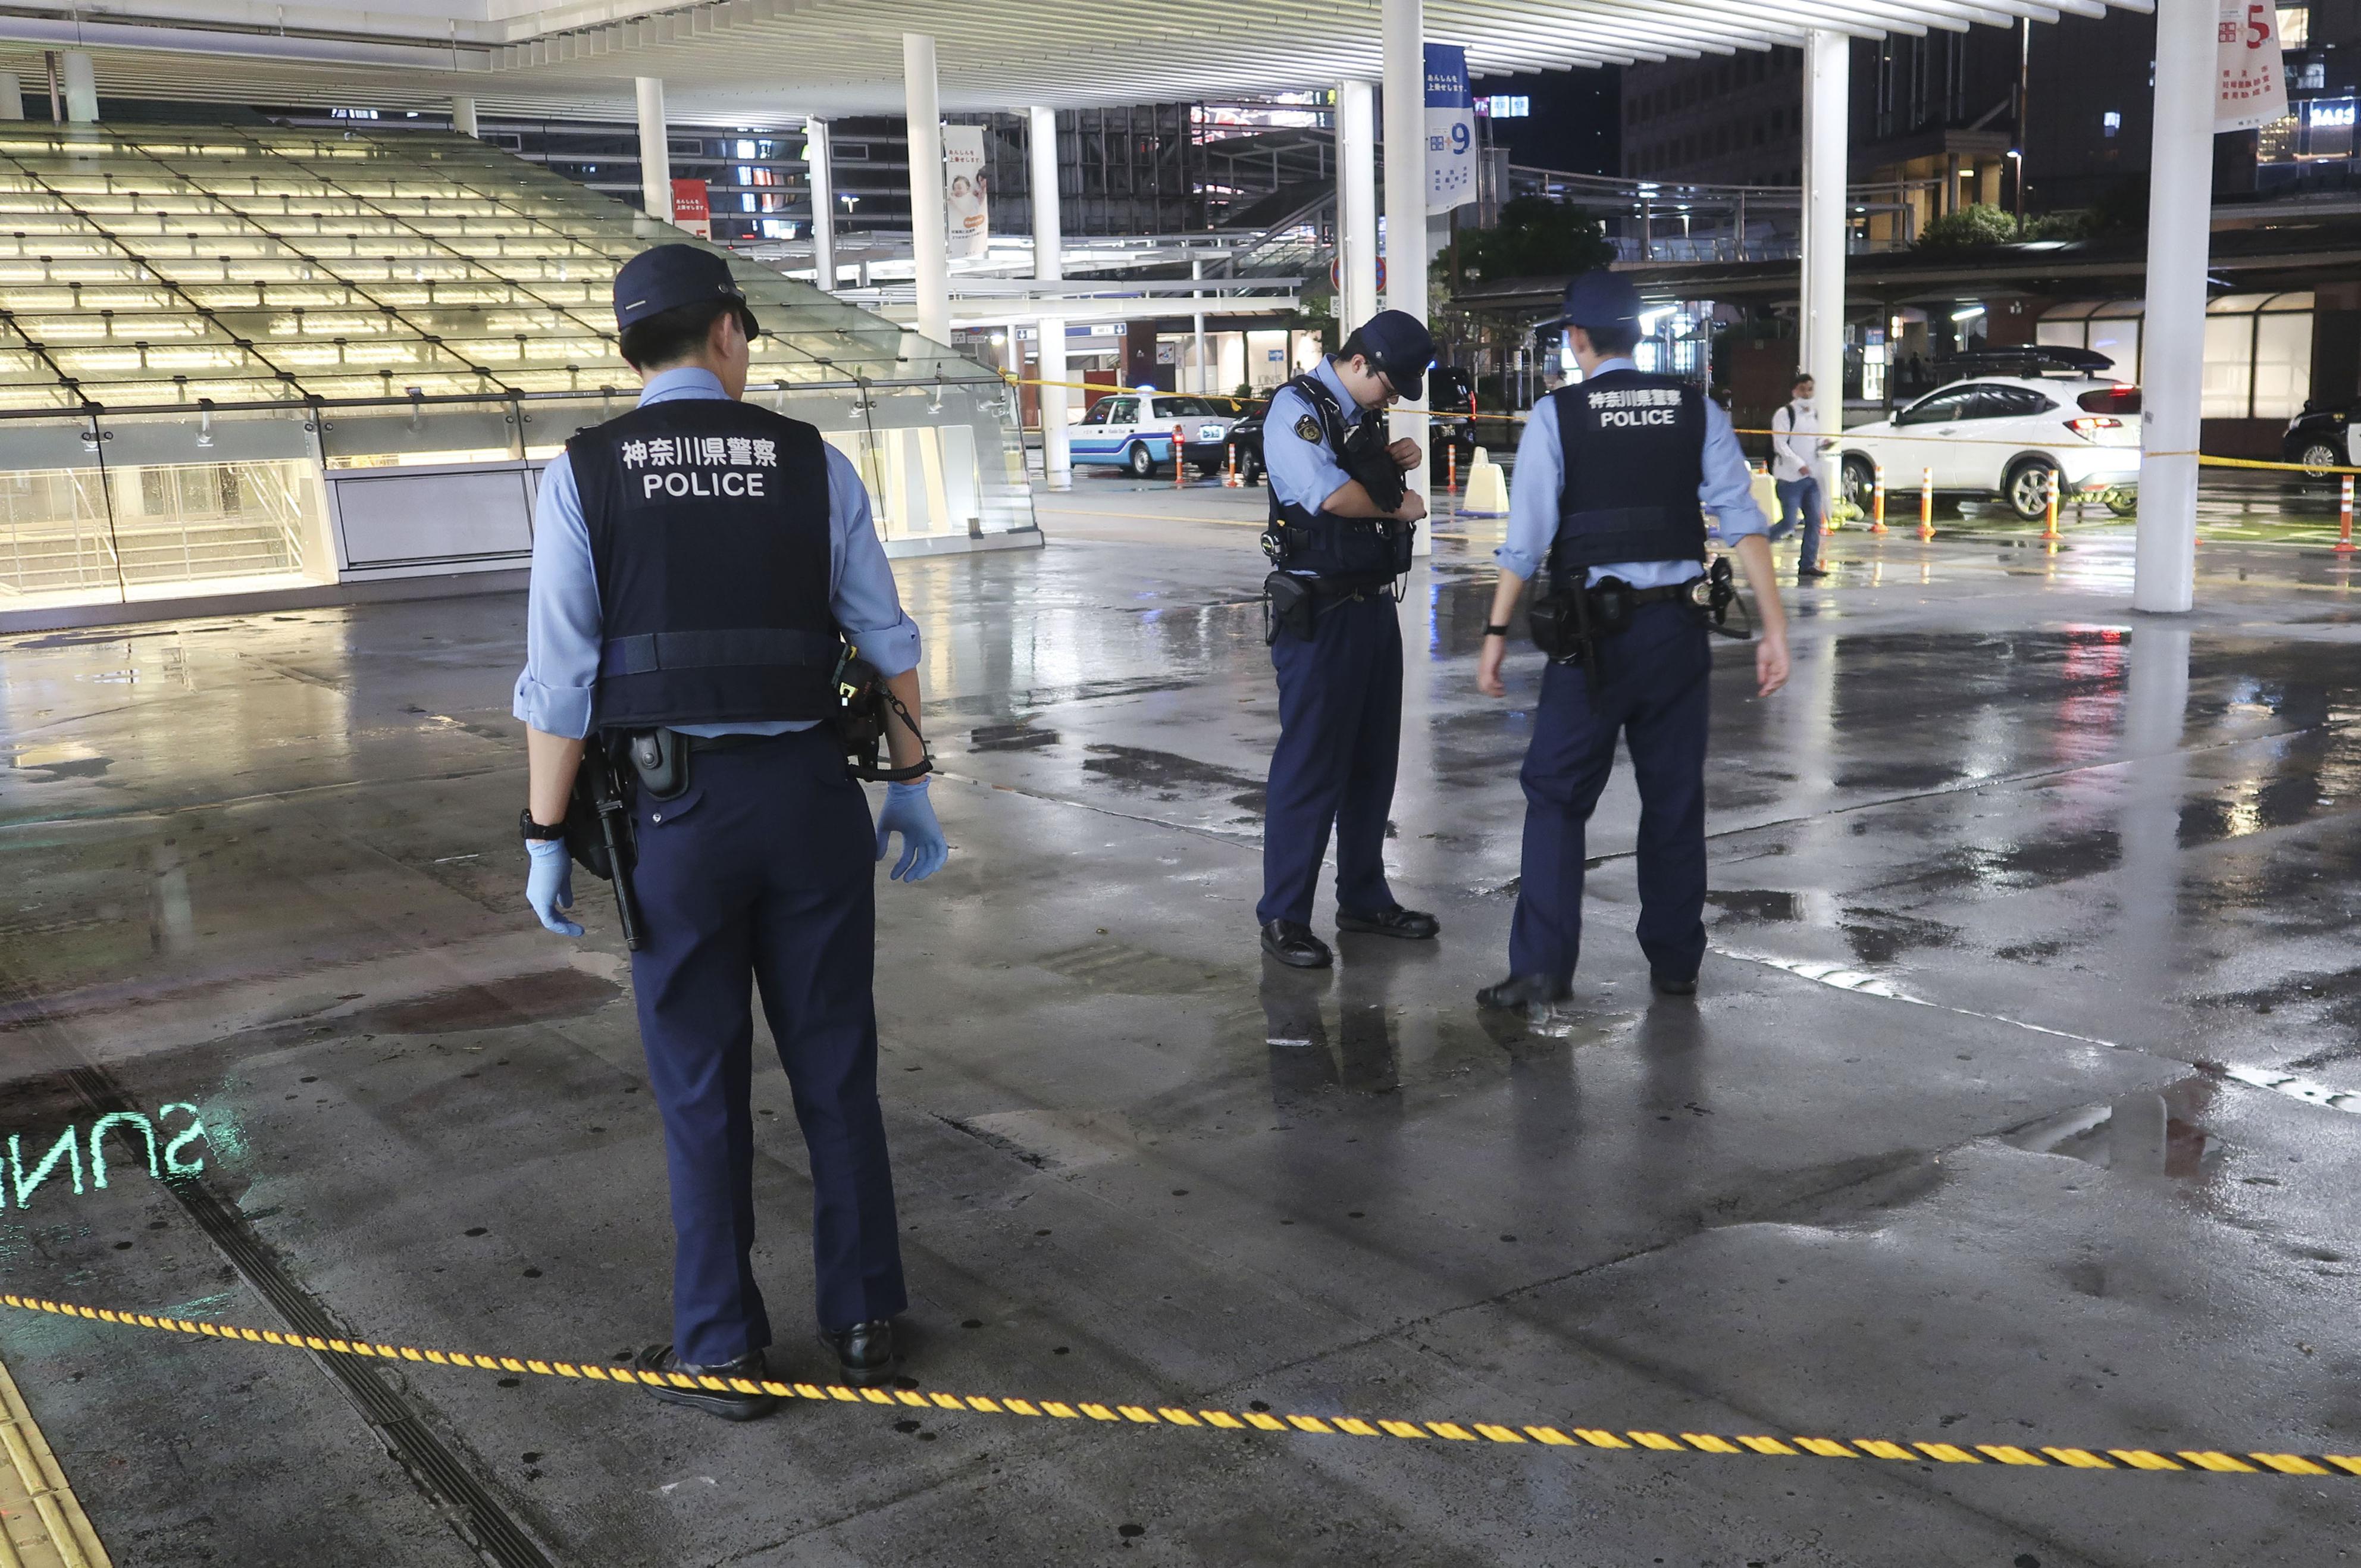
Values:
[(1652, 691), (760, 875), (1339, 739)]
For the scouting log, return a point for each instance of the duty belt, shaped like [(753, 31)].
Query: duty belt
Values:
[(1568, 622)]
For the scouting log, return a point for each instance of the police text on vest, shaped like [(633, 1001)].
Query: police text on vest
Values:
[(701, 465)]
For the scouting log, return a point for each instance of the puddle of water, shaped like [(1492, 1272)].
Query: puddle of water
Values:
[(1756, 903), (1018, 737), (1167, 774), (2145, 1135)]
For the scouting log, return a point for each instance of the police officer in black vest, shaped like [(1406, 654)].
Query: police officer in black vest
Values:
[(1613, 475), (699, 565), (1341, 524)]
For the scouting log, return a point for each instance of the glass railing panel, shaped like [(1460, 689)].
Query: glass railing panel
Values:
[(56, 537), (229, 501), (421, 433)]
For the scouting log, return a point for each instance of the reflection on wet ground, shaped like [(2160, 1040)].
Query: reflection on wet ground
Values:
[(2149, 1133), (2009, 885)]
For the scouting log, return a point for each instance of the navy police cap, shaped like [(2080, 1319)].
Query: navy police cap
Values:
[(1600, 299), (670, 275), (1399, 343)]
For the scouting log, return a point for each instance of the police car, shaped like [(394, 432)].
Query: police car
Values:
[(2008, 436), (1133, 431)]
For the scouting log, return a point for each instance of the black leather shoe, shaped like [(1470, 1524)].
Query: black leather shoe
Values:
[(1521, 990), (1674, 985), (1803, 572), (1292, 943), (731, 1404), (1412, 924), (866, 1350)]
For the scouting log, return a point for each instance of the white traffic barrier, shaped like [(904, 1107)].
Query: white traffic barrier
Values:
[(1487, 488)]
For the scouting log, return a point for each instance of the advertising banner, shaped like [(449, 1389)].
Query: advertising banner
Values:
[(1450, 129), (2253, 83), (690, 209), (967, 204)]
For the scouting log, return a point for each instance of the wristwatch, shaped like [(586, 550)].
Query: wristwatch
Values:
[(531, 829), (1501, 630)]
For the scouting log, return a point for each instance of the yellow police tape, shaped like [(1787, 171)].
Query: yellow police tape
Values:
[(2126, 1459), (2203, 460)]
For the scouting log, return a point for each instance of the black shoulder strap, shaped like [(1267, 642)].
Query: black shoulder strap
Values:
[(1323, 402)]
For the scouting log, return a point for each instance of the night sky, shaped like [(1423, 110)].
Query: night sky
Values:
[(1575, 121)]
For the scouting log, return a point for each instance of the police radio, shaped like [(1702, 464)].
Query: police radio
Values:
[(1720, 593), (862, 701)]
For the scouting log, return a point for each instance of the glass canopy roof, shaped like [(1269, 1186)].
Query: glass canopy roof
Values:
[(155, 266)]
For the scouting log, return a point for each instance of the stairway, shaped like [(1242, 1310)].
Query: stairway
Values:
[(65, 557)]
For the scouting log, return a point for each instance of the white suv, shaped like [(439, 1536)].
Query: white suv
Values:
[(2006, 436)]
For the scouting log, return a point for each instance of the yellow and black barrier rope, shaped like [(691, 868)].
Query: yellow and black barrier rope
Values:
[(2205, 460), (1762, 1445)]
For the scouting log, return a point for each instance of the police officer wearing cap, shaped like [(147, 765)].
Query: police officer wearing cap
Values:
[(1341, 523), (696, 562), (1613, 475)]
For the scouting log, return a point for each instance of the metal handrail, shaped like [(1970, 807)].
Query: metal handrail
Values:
[(87, 410)]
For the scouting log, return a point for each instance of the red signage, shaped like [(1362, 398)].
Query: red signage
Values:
[(691, 209)]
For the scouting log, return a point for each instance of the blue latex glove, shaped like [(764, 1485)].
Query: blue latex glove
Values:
[(549, 886), (908, 813)]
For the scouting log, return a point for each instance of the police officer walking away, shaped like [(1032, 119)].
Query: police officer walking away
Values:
[(1340, 534), (1611, 476), (694, 564)]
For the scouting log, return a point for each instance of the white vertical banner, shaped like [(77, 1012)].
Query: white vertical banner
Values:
[(966, 202), (1450, 129), (2253, 89)]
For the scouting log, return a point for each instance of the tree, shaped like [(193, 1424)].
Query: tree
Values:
[(1536, 239), (1973, 225)]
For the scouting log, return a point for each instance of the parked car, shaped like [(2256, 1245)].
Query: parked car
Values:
[(1246, 439), (2319, 438), (1448, 394), (2006, 437), (1133, 431)]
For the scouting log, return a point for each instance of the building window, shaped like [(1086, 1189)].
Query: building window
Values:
[(2315, 75), (2295, 26), (2278, 141), (2109, 122)]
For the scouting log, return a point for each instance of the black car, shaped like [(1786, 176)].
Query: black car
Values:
[(1246, 440), (2319, 438), (1450, 397)]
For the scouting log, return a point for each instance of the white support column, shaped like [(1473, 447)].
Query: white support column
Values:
[(930, 242), (82, 89), (823, 203), (12, 96), (1197, 329), (2172, 358), (1048, 266), (463, 117), (655, 151), (1404, 23), (1356, 206), (1828, 59)]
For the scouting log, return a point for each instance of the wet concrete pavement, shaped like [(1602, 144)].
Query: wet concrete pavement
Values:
[(2006, 1114)]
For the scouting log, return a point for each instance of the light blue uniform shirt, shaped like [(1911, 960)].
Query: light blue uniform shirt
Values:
[(562, 632), (1300, 472), (1727, 491)]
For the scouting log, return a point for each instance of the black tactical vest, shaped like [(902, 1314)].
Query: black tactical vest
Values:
[(710, 532), (1634, 455), (1344, 552)]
